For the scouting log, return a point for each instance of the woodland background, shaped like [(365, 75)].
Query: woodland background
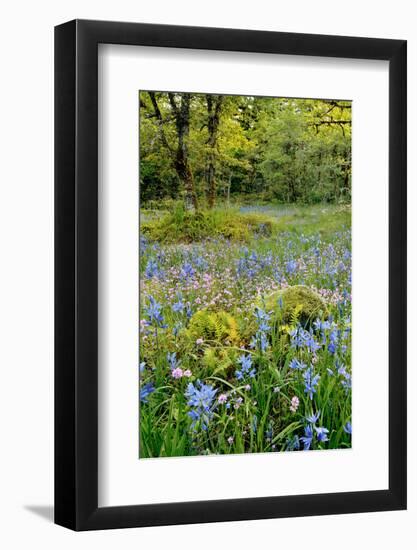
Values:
[(208, 148)]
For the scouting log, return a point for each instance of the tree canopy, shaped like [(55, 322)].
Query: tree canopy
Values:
[(204, 148)]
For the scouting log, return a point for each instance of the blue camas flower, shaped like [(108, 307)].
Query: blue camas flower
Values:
[(346, 377), (347, 428), (295, 364), (310, 382), (307, 438), (188, 311), (291, 267), (321, 325), (152, 269), (321, 434), (176, 329), (260, 340), (145, 392), (178, 307), (200, 263), (154, 313), (301, 338), (262, 319), (187, 271), (172, 360), (143, 244), (312, 418), (293, 444), (201, 401), (246, 369)]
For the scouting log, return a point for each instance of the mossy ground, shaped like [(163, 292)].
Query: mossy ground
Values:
[(241, 223), (191, 226), (297, 303)]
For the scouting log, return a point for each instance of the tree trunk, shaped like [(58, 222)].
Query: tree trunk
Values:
[(228, 189), (179, 156), (182, 165), (214, 105), (186, 176)]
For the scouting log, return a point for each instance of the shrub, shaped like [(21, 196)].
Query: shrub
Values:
[(187, 226)]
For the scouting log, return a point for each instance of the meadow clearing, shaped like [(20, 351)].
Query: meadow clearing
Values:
[(245, 274), (245, 334)]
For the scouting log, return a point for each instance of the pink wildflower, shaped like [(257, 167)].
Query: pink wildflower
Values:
[(295, 402), (177, 373)]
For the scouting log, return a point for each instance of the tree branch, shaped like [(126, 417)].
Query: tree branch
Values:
[(173, 103), (158, 116), (340, 123), (332, 122)]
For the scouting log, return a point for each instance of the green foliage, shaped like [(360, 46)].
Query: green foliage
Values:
[(281, 149), (219, 360), (187, 226), (215, 327), (307, 158), (297, 303)]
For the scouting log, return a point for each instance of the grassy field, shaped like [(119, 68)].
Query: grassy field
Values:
[(245, 330)]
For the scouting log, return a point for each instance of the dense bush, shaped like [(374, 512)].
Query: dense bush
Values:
[(188, 226)]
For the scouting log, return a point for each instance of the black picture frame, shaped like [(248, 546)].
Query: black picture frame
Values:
[(76, 272)]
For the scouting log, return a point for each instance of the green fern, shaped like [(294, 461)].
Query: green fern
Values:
[(295, 314), (214, 326), (218, 360)]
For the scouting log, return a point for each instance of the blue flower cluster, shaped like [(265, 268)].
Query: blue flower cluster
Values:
[(152, 269), (246, 369), (295, 364), (346, 378), (172, 360), (250, 264), (291, 267), (310, 382), (145, 392), (154, 313), (187, 271), (200, 263), (308, 437), (260, 340), (304, 339), (201, 401), (178, 306)]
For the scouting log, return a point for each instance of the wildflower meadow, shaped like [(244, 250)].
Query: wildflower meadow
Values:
[(245, 281)]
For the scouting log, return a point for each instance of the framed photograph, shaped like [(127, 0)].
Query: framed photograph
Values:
[(230, 284)]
